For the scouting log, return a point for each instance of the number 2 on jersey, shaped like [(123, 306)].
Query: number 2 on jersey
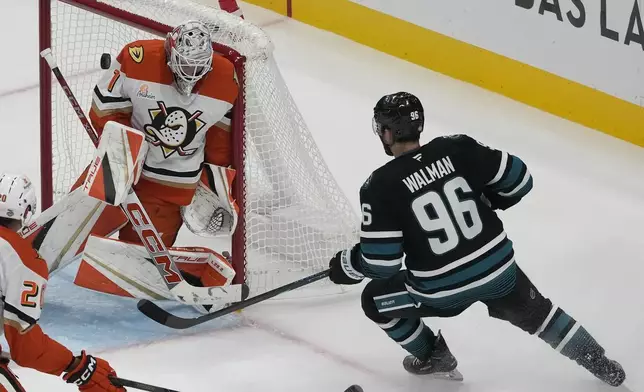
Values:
[(29, 294), (442, 220)]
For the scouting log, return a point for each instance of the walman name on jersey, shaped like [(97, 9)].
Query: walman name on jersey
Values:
[(429, 174)]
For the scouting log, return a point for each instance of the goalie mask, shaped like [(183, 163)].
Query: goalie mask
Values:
[(189, 53), (17, 198)]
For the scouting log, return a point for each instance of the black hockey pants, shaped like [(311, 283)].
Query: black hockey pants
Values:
[(523, 306)]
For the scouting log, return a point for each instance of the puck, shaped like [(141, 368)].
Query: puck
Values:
[(354, 388), (106, 61)]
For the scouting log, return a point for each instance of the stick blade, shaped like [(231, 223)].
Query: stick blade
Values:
[(154, 312)]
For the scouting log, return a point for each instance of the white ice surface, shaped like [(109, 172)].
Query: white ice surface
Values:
[(578, 235)]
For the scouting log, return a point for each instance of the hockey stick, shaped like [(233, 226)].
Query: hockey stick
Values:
[(123, 382), (181, 290), (161, 316)]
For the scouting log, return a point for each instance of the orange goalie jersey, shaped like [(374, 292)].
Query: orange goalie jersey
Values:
[(183, 132)]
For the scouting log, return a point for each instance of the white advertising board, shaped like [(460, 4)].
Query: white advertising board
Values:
[(598, 43)]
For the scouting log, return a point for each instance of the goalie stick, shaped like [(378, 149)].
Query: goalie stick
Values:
[(161, 316), (123, 382), (181, 290)]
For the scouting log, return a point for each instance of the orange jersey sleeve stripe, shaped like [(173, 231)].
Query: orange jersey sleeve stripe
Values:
[(35, 350)]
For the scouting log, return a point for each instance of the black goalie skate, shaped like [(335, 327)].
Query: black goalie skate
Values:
[(607, 370), (441, 364)]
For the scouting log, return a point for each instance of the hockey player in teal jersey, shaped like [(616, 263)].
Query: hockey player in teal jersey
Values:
[(435, 205)]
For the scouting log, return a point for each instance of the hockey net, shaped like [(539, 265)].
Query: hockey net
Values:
[(294, 216)]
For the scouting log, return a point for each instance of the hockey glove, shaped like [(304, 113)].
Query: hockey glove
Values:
[(342, 266), (92, 375)]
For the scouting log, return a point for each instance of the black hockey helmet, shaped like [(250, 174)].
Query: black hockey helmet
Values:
[(402, 113)]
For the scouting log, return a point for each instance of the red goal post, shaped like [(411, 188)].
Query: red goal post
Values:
[(293, 216)]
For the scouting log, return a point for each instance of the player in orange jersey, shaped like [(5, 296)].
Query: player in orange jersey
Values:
[(23, 279), (180, 94)]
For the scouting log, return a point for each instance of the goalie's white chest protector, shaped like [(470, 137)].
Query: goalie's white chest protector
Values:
[(176, 131)]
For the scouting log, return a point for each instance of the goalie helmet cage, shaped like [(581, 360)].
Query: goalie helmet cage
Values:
[(293, 215)]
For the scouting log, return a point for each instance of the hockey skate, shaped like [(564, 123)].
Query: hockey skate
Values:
[(441, 364), (607, 370)]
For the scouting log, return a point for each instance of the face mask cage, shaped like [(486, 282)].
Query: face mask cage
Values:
[(188, 71)]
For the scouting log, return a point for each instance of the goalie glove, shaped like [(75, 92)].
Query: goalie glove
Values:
[(92, 374), (342, 266), (213, 211)]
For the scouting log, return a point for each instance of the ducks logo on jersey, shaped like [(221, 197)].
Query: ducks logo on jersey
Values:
[(173, 129)]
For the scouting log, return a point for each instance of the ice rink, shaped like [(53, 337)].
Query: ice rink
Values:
[(578, 235)]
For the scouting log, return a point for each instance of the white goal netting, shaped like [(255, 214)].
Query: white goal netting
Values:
[(296, 215)]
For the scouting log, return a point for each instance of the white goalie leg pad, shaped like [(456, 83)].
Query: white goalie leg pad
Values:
[(215, 269), (213, 212), (58, 233), (120, 268), (117, 163)]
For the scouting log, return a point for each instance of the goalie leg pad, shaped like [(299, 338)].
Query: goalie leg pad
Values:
[(117, 163), (124, 269), (60, 232), (212, 269)]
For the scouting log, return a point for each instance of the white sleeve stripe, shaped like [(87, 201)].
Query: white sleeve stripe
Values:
[(111, 105), (526, 178), (383, 263), (381, 234), (385, 296), (502, 167), (13, 317)]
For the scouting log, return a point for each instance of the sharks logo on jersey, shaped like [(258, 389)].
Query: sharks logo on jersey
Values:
[(173, 129)]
